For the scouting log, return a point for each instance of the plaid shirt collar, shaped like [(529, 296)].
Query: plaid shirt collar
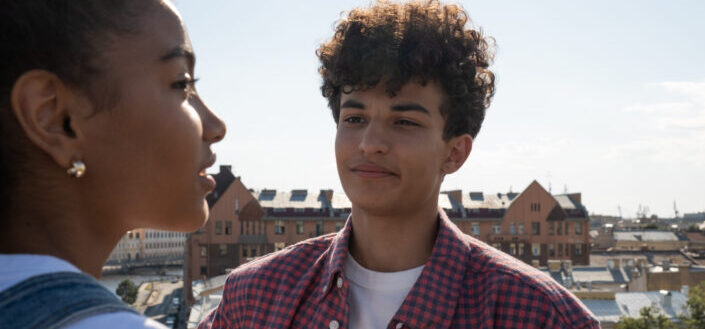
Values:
[(440, 282)]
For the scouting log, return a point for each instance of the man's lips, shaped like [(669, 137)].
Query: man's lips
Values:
[(371, 171)]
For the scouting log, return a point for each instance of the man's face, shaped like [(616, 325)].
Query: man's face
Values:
[(390, 151)]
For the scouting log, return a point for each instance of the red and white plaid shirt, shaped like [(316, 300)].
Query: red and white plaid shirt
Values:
[(464, 284)]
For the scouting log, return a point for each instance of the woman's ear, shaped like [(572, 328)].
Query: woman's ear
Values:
[(459, 148), (39, 101)]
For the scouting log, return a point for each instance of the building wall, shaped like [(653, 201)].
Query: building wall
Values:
[(234, 215), (650, 245), (669, 280), (535, 206)]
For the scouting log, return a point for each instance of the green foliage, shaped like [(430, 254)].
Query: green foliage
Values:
[(693, 228), (649, 318), (696, 308), (127, 290)]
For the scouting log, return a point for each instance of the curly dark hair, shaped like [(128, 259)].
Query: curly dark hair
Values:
[(423, 41)]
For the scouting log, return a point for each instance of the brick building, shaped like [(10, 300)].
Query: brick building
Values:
[(533, 226)]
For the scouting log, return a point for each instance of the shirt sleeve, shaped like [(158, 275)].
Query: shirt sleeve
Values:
[(117, 320)]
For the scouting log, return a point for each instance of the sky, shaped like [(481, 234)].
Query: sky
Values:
[(605, 98)]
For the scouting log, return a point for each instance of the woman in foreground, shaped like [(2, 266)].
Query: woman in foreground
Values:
[(101, 132)]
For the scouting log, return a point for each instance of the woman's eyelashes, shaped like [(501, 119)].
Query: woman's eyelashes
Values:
[(188, 84)]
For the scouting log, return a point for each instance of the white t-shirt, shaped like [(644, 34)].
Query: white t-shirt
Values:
[(17, 268), (376, 296)]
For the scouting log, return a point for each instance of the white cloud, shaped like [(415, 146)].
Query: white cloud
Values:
[(667, 132)]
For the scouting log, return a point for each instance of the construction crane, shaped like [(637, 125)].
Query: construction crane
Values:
[(675, 209)]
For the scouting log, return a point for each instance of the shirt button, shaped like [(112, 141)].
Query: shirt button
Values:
[(339, 283), (400, 325), (333, 325)]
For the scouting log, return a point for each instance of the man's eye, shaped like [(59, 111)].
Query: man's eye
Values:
[(353, 119), (403, 122)]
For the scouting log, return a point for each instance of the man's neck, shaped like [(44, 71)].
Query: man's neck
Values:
[(393, 243)]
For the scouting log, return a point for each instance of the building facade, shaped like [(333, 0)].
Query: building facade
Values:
[(533, 226), (148, 246)]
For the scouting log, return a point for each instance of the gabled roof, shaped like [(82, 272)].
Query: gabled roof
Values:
[(566, 202), (223, 179), (288, 199), (645, 236), (630, 303)]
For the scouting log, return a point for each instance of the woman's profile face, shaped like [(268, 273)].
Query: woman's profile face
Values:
[(147, 154)]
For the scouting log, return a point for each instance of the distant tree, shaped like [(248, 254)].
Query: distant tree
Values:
[(696, 308), (127, 291), (693, 228), (649, 318)]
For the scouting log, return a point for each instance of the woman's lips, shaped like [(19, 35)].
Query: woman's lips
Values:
[(207, 181)]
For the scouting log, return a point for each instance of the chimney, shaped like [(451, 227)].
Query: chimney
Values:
[(576, 197), (568, 266), (226, 168), (666, 299), (554, 265)]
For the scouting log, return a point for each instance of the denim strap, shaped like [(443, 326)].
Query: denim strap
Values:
[(55, 300)]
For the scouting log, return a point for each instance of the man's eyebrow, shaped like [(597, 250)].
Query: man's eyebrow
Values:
[(353, 104), (410, 107), (181, 51)]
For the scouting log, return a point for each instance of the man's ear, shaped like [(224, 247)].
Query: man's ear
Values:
[(459, 150), (39, 101)]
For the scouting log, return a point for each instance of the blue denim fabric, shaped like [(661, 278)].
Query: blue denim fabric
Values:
[(55, 300)]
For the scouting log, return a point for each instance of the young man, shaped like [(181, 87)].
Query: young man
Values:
[(408, 86)]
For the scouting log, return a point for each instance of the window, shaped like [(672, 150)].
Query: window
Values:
[(228, 228), (560, 249), (203, 270), (278, 246), (521, 228), (299, 227), (560, 229), (512, 229), (535, 207), (279, 227), (551, 228), (551, 250), (338, 226), (521, 249), (204, 251), (536, 228), (253, 252), (218, 228), (567, 228), (578, 228), (497, 246), (319, 228), (513, 249), (298, 209), (496, 229), (223, 249), (578, 249), (536, 249), (475, 228), (129, 235), (244, 252)]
